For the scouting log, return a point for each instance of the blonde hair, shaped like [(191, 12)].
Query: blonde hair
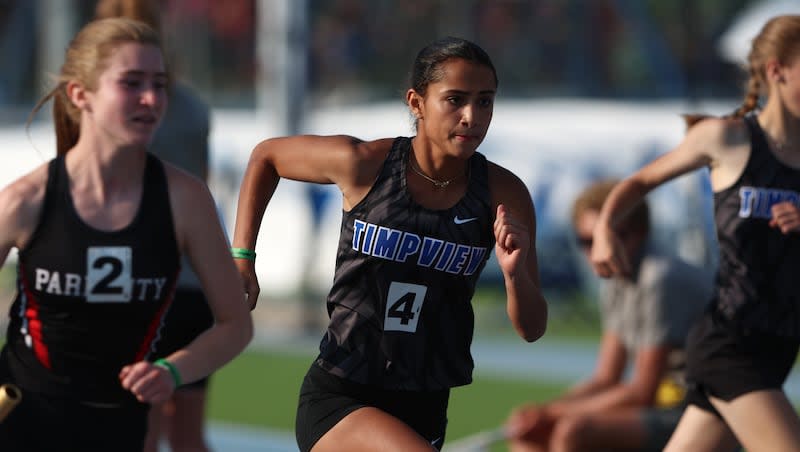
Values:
[(779, 39), (594, 196), (85, 59)]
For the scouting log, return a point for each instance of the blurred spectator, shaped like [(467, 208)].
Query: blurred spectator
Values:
[(646, 318), (340, 47), (499, 30), (17, 50), (569, 48), (232, 30), (550, 31)]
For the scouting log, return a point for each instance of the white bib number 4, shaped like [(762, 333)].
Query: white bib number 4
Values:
[(403, 306)]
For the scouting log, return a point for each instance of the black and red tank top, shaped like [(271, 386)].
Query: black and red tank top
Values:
[(400, 304), (757, 282), (89, 301)]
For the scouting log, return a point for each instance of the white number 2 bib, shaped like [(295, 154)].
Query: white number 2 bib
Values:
[(108, 274)]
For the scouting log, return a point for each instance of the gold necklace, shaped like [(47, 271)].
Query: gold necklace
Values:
[(439, 184)]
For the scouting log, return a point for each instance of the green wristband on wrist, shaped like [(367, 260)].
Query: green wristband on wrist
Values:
[(173, 371), (243, 253)]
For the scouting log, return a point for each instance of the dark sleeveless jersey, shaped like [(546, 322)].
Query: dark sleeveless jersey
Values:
[(90, 302), (757, 281), (400, 305)]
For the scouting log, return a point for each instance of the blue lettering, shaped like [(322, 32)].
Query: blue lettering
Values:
[(447, 253), (746, 201), (430, 248), (459, 257), (773, 197), (358, 229), (758, 202), (475, 260), (408, 246), (368, 238), (793, 198), (397, 245), (386, 243)]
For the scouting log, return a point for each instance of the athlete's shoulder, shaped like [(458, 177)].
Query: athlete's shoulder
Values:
[(507, 188), (340, 144), (21, 202), (179, 174), (27, 189), (181, 183), (720, 132), (377, 147), (189, 196), (502, 179), (190, 201)]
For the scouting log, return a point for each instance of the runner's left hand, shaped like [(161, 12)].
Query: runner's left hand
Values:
[(148, 382), (512, 241), (786, 217)]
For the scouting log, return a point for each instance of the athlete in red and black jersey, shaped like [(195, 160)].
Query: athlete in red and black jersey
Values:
[(90, 301), (100, 231)]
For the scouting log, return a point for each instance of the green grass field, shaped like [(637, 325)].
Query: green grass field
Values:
[(260, 388)]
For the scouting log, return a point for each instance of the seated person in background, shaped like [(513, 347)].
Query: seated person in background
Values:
[(645, 318)]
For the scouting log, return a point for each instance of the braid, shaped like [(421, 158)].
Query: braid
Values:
[(751, 97), (750, 102), (777, 41)]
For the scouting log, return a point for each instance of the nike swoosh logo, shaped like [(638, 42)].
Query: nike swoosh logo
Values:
[(434, 442), (457, 220)]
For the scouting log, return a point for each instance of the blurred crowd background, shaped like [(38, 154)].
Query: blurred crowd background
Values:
[(588, 89), (360, 50)]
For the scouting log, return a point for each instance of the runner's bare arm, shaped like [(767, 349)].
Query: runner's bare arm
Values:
[(515, 235)]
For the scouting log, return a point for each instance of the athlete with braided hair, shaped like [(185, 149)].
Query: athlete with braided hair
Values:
[(742, 349)]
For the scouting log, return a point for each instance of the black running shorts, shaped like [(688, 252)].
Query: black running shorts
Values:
[(325, 399), (726, 362)]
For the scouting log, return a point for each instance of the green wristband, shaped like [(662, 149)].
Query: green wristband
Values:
[(243, 253), (164, 364)]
